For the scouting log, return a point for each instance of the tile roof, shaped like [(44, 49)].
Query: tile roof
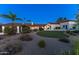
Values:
[(53, 23), (9, 24), (61, 22), (35, 25), (67, 21)]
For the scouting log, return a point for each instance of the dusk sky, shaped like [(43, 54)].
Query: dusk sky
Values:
[(39, 13)]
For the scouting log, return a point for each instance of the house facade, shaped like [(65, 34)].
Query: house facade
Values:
[(69, 25), (35, 26), (61, 26), (51, 26), (18, 27)]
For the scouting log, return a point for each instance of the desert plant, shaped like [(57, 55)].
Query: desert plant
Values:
[(10, 31), (12, 49), (41, 29), (41, 44), (64, 40), (25, 37), (74, 50), (66, 36), (68, 31), (35, 30), (76, 31), (11, 16), (25, 29), (74, 27), (57, 28), (71, 33)]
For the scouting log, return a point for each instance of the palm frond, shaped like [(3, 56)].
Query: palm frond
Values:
[(18, 19), (5, 16), (11, 16), (29, 20)]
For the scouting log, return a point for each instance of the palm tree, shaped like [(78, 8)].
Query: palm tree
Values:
[(30, 21), (10, 16), (77, 19), (61, 19)]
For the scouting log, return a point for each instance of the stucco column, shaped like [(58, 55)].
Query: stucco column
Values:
[(3, 27), (21, 28), (18, 29)]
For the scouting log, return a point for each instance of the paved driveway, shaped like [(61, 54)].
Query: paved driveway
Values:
[(53, 46)]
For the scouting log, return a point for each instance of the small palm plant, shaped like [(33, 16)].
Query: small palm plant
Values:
[(10, 16), (30, 21)]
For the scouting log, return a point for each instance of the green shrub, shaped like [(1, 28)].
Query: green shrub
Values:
[(57, 28), (25, 29), (41, 29), (41, 44), (25, 37), (74, 50), (74, 27), (67, 31), (71, 33), (64, 40), (10, 30), (76, 31), (66, 35), (35, 30)]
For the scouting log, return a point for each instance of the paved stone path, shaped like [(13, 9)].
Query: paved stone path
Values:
[(9, 40), (53, 46)]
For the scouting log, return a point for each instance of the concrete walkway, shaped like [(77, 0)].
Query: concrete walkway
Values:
[(1, 33), (53, 46)]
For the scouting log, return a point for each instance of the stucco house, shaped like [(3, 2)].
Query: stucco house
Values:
[(18, 27), (51, 26), (35, 26), (68, 25), (61, 26)]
